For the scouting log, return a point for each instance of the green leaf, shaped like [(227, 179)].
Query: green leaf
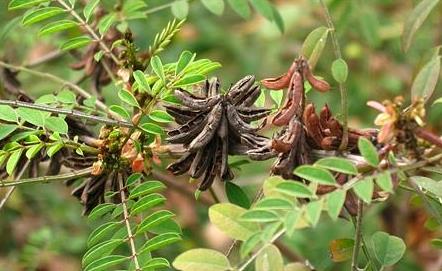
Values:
[(428, 184), (160, 241), (105, 23), (294, 189), (41, 14), (151, 128), (102, 232), (156, 263), (148, 187), (46, 99), (133, 178), (157, 67), (21, 4), (7, 113), (277, 18), (201, 260), (128, 98), (296, 267), (106, 262), (388, 249), (337, 164), (313, 210), (226, 217), (236, 195), (315, 174), (180, 9), (147, 203), (274, 204), (264, 8), (32, 116), (384, 181), (368, 150), (141, 80), (89, 8), (426, 80), (341, 250), (214, 6), (100, 250), (270, 259), (259, 216), (67, 97), (13, 160), (415, 20), (436, 243), (7, 129), (34, 150), (120, 111), (241, 7), (438, 101), (75, 43), (185, 59), (56, 124), (364, 189), (339, 70), (314, 45), (248, 245), (189, 80), (160, 116), (100, 210), (56, 26), (153, 220), (335, 201), (52, 150)]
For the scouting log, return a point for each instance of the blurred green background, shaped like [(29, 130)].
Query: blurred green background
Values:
[(41, 228)]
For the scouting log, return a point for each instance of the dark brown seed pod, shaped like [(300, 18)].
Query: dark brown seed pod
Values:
[(281, 82)]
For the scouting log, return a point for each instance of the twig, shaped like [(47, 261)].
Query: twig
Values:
[(358, 234), (342, 88), (46, 179), (90, 30), (70, 112), (215, 197), (12, 189), (250, 260), (80, 91), (45, 58), (158, 8), (126, 220)]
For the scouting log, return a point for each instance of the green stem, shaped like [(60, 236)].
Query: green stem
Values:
[(80, 91), (358, 235), (47, 179), (70, 112), (342, 88)]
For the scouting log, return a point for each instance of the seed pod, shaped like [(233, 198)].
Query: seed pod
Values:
[(429, 136), (293, 103), (282, 81), (316, 83)]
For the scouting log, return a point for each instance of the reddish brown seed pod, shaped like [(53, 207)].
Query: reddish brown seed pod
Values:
[(313, 129), (281, 82), (294, 97), (330, 143), (281, 146), (318, 84), (429, 136), (309, 110), (335, 127), (324, 116)]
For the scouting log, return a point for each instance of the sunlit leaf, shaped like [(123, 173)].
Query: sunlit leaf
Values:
[(315, 174), (13, 161), (106, 262), (260, 216), (226, 217), (160, 241), (75, 43), (313, 211), (337, 164), (339, 70), (128, 98), (56, 124), (294, 189), (180, 9), (143, 85), (151, 128), (335, 201), (89, 8), (56, 26), (120, 111), (364, 189), (147, 203), (214, 6), (368, 150), (270, 259), (100, 250), (7, 129), (153, 220), (384, 181), (145, 188), (7, 113), (248, 245), (19, 4), (201, 260)]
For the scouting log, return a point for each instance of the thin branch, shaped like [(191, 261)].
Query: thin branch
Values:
[(214, 196), (12, 189), (69, 112), (80, 91), (126, 220), (158, 8), (358, 234), (90, 30), (47, 179), (45, 58), (342, 88), (256, 254)]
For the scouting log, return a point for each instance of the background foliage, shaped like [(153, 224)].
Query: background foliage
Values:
[(46, 231)]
